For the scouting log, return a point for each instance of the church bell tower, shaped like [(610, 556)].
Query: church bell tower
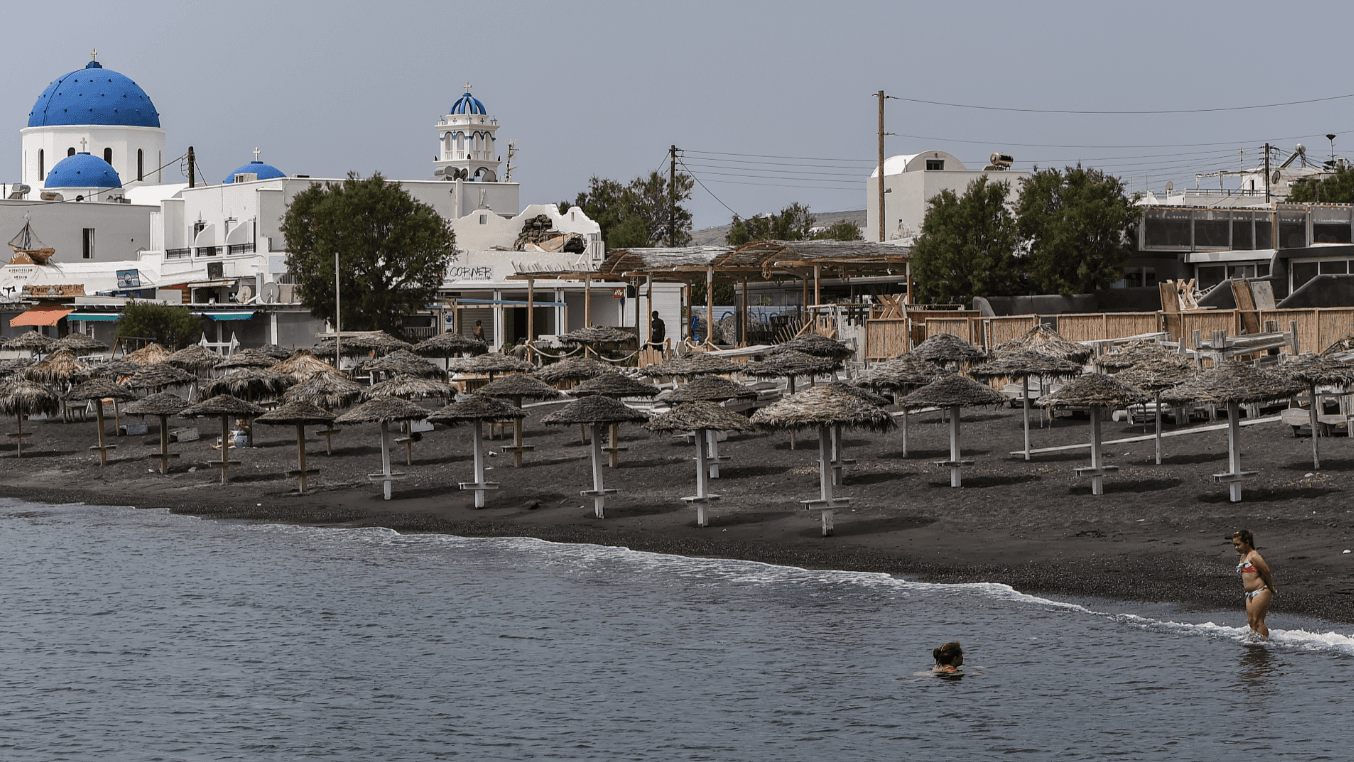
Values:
[(467, 145)]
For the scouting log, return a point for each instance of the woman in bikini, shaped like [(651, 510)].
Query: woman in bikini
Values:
[(949, 658), (1256, 579)]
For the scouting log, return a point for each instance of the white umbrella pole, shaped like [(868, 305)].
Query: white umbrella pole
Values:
[(1316, 457), (1158, 436), (1234, 449), (599, 490), (385, 458), (956, 480), (1025, 411), (712, 442), (1097, 481), (478, 448), (702, 476), (825, 477)]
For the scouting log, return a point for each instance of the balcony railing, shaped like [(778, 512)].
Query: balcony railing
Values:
[(240, 248), (178, 253)]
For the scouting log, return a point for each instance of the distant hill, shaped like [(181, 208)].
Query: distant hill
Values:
[(716, 236)]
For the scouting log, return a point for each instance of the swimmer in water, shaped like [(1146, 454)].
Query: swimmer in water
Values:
[(949, 658), (1256, 579)]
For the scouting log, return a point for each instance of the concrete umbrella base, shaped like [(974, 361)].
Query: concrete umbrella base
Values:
[(826, 502), (479, 485), (955, 462), (598, 492), (386, 476), (1097, 469), (1234, 475), (19, 436), (164, 456), (703, 498)]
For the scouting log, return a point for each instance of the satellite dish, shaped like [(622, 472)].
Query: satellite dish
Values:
[(1170, 186), (1274, 178), (244, 294), (270, 292), (1301, 149)]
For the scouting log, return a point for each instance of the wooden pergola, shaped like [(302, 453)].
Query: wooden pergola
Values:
[(807, 261)]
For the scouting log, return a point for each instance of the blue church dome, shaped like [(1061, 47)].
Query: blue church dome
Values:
[(83, 171), (264, 171), (468, 104), (94, 95)]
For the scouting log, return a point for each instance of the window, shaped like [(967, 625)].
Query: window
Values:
[(484, 219), (1326, 232), (935, 165), (140, 165), (1241, 235), (1211, 275), (1302, 272), (42, 164), (108, 155), (70, 151), (1334, 267), (89, 243), (1264, 234)]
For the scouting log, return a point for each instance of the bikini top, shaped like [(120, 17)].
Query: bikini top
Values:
[(1246, 567)]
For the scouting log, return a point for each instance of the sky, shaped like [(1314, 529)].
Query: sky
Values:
[(769, 102)]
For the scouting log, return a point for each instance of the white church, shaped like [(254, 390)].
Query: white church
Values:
[(93, 190)]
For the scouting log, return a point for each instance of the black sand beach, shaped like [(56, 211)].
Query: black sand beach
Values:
[(1158, 534)]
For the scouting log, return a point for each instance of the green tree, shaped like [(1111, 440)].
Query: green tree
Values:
[(792, 223), (840, 231), (393, 251), (167, 325), (967, 245), (1075, 224), (1337, 188), (639, 213)]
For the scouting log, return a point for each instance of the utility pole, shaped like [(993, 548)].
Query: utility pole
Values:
[(507, 172), (881, 165), (338, 354), (1267, 173), (672, 191), (192, 166)]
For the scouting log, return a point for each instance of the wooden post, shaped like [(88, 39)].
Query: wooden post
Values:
[(825, 478), (385, 459), (518, 449), (1097, 481), (478, 449), (1158, 435), (804, 282), (702, 479), (531, 327), (103, 449), (301, 455), (792, 393), (1316, 457), (710, 306), (817, 285), (225, 446), (956, 480), (615, 453), (712, 450), (19, 436), (587, 306), (895, 401), (744, 321), (1234, 449), (1025, 411)]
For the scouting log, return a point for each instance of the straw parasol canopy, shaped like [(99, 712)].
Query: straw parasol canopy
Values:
[(900, 374), (1155, 375), (162, 406), (822, 406), (1321, 370), (324, 390), (249, 383), (518, 386), (300, 415), (97, 390), (790, 364), (159, 377), (868, 397), (78, 344), (1042, 338), (383, 410), (450, 345), (151, 354), (1094, 390), (58, 367), (953, 391), (1133, 353), (379, 342), (1022, 364), (12, 368), (476, 407), (115, 369), (408, 387), (225, 407), (303, 365), (194, 357), (698, 416), (276, 352), (595, 409), (616, 386), (30, 340), (571, 369), (945, 348), (490, 363), (817, 345), (1232, 384), (692, 364), (20, 397), (710, 389), (247, 358), (404, 363), (597, 334)]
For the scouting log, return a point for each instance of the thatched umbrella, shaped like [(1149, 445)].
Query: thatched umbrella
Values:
[(247, 358), (615, 386), (249, 383), (116, 369), (449, 345), (379, 342), (517, 387), (1133, 353), (1156, 375), (570, 370), (1020, 366), (1340, 347), (61, 370), (225, 407), (195, 358), (595, 336), (276, 352), (692, 364), (1095, 392), (945, 348), (78, 344), (823, 408), (711, 389), (300, 415), (1314, 371), (476, 409), (151, 354), (13, 368), (817, 345), (21, 397), (384, 410), (596, 411), (702, 418), (31, 340), (162, 406), (1232, 384), (490, 363), (789, 365), (303, 365), (157, 377), (1042, 338), (402, 362), (954, 393), (839, 459), (898, 376), (329, 391), (409, 388), (97, 390)]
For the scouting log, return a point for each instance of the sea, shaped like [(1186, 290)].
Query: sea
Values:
[(131, 634)]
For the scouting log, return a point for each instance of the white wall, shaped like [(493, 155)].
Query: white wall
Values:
[(119, 229), (55, 142)]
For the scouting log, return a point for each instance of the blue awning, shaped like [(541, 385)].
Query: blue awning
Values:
[(233, 315), (94, 317), (508, 303)]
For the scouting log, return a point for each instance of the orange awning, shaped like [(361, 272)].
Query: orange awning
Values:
[(40, 316)]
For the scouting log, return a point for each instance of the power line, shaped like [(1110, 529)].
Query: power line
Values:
[(1058, 145), (1162, 111), (707, 190), (871, 162)]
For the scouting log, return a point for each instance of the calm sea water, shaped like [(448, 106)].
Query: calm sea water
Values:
[(138, 635)]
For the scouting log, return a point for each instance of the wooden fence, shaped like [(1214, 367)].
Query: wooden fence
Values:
[(1317, 328)]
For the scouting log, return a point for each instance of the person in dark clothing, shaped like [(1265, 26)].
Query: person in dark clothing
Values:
[(479, 330), (658, 332)]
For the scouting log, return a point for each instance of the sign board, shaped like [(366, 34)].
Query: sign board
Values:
[(129, 279), (619, 293)]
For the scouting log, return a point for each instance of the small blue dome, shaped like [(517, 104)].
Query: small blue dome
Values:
[(264, 171), (94, 95), (83, 171), (468, 104)]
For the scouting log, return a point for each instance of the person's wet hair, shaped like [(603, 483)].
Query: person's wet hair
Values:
[(1245, 536), (949, 655)]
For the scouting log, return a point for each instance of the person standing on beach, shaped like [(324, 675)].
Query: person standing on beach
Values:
[(658, 332), (1256, 579), (478, 333)]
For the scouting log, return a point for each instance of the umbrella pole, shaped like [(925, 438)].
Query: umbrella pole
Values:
[(1316, 457), (225, 446), (702, 478), (956, 480), (1097, 481), (792, 393), (837, 459), (1158, 436), (385, 458), (301, 455), (19, 439), (1234, 449), (117, 418), (615, 454), (164, 444), (1025, 411), (712, 445), (517, 436), (477, 447), (825, 477), (408, 428), (103, 449), (598, 490)]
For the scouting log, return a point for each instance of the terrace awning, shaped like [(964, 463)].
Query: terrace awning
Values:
[(40, 316), (95, 317), (232, 315)]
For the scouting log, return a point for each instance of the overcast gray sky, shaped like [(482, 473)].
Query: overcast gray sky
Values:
[(597, 88)]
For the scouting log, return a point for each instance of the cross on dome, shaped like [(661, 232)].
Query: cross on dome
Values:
[(256, 154), (82, 145), (94, 54), (467, 86)]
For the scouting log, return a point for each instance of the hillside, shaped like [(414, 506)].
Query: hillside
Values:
[(715, 236)]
